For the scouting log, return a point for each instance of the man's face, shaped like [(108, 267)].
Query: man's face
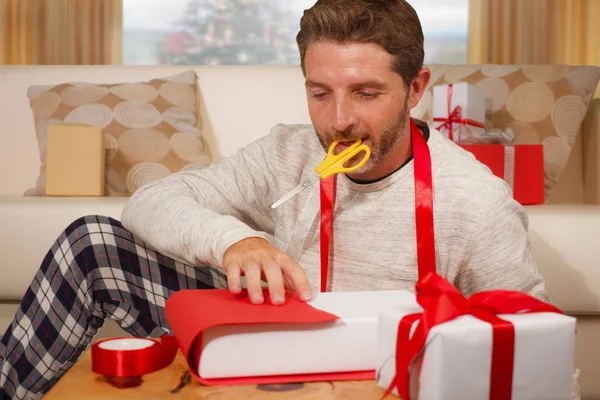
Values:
[(353, 94)]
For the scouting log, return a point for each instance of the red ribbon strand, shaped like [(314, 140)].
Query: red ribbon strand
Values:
[(327, 194), (442, 302), (423, 209), (455, 117), (426, 261)]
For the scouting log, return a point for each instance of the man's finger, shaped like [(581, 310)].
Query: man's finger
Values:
[(233, 278), (252, 273), (275, 281), (288, 283), (298, 278)]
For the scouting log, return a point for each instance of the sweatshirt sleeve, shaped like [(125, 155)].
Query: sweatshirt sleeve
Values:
[(501, 257), (194, 216)]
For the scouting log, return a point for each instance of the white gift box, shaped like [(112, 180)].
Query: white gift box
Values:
[(456, 363), (471, 100), (346, 345)]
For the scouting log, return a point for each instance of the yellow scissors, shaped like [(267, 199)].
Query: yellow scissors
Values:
[(332, 164)]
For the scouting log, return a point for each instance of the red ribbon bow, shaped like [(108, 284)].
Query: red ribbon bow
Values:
[(442, 302), (455, 117)]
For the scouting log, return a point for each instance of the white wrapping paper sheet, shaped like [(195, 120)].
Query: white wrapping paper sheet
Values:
[(456, 363), (348, 344)]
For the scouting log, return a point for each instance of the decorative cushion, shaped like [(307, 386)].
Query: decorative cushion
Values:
[(150, 128), (540, 103)]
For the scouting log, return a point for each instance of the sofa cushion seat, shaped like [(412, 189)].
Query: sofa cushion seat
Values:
[(30, 225), (564, 240)]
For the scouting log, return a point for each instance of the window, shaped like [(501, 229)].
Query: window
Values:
[(225, 32), (444, 25)]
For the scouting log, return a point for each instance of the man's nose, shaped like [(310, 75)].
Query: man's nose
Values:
[(343, 116)]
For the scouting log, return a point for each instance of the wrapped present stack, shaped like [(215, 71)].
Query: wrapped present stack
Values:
[(459, 114)]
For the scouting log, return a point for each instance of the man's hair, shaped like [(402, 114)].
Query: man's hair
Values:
[(391, 24)]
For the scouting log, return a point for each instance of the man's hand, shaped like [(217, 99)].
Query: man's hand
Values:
[(257, 259)]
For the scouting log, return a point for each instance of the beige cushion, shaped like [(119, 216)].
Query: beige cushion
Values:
[(540, 103), (150, 128), (580, 180)]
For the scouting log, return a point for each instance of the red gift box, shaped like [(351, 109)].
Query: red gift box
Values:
[(521, 166)]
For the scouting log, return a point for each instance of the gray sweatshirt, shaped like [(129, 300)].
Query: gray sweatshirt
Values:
[(480, 231)]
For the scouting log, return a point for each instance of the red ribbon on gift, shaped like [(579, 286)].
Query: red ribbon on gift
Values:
[(423, 209), (442, 302), (455, 117)]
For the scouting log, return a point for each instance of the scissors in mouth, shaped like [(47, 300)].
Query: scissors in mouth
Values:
[(332, 164)]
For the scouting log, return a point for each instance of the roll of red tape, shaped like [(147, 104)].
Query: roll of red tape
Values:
[(125, 360)]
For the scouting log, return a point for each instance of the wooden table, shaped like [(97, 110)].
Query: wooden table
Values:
[(175, 382)]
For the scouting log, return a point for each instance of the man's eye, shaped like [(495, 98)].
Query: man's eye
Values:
[(367, 95), (319, 96)]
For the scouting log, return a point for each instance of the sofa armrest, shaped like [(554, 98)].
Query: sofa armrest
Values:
[(564, 243)]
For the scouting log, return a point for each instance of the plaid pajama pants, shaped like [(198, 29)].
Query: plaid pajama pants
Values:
[(95, 270)]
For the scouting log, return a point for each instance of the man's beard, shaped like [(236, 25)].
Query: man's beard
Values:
[(391, 136)]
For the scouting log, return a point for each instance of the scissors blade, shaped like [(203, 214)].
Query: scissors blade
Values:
[(292, 193)]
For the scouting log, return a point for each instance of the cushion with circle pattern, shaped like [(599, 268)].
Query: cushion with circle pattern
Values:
[(150, 128)]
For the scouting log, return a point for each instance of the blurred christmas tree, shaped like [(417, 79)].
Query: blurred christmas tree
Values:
[(233, 32)]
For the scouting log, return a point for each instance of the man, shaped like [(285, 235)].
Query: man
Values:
[(362, 60)]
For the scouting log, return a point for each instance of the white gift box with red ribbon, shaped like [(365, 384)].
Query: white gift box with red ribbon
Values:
[(494, 345), (459, 111), (456, 363)]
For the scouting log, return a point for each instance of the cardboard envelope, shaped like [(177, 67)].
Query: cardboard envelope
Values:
[(75, 160)]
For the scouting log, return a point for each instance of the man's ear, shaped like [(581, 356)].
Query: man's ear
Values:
[(418, 86)]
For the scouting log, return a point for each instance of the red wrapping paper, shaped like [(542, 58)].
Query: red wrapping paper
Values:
[(190, 312), (526, 170)]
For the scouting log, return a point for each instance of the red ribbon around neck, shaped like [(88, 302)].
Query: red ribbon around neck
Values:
[(327, 192), (423, 209), (133, 363), (455, 117), (442, 302)]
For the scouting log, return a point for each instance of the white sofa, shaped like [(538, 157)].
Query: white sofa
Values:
[(241, 104)]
